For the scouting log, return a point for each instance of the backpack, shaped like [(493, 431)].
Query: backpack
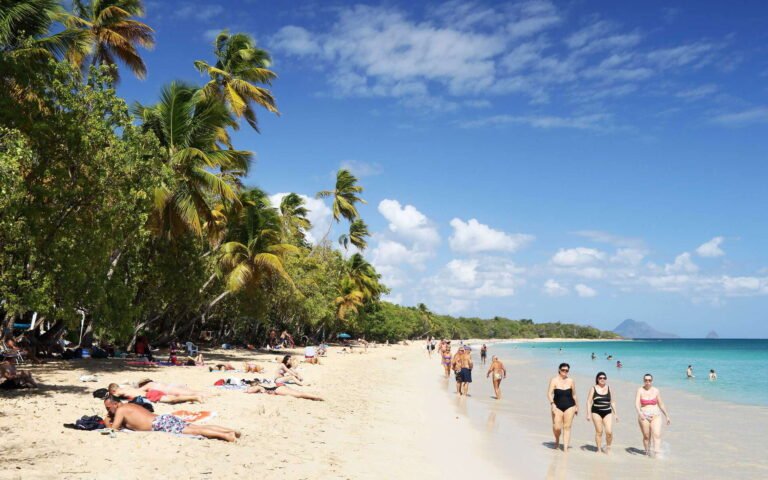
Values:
[(89, 423)]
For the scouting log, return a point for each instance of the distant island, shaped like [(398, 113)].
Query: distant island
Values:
[(712, 335), (637, 329)]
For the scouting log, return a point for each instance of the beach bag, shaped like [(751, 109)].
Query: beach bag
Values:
[(94, 422)]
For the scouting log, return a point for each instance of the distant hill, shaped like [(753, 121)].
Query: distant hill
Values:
[(633, 329), (712, 335)]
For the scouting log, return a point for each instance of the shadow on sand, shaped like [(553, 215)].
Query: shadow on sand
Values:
[(589, 448), (635, 451)]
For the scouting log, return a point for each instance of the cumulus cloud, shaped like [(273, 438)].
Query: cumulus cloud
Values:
[(406, 221), (295, 40), (682, 264), (575, 257), (711, 248), (554, 289), (319, 215), (585, 291), (474, 237), (199, 12)]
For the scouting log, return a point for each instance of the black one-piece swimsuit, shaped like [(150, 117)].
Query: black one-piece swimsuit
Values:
[(564, 399)]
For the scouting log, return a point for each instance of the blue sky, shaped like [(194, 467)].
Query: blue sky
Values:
[(576, 161)]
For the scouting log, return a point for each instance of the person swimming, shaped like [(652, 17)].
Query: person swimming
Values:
[(562, 399), (602, 410)]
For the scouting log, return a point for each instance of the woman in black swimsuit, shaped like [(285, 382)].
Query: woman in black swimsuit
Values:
[(562, 400), (602, 408)]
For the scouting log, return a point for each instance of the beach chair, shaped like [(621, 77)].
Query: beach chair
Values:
[(16, 355), (192, 349)]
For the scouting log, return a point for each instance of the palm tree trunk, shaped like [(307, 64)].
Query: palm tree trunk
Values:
[(322, 240)]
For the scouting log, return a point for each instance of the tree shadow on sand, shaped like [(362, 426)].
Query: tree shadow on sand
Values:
[(44, 390)]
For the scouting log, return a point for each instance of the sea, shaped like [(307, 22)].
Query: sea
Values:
[(741, 364)]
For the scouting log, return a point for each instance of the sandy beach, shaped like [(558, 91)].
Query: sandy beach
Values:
[(389, 413), (385, 417)]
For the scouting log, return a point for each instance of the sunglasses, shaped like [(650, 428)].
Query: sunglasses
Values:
[(601, 378), (647, 379), (565, 370)]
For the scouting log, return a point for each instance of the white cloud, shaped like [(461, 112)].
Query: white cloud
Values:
[(295, 40), (738, 286), (554, 289), (697, 93), (711, 248), (611, 239), (319, 215), (463, 271), (744, 117), (682, 264), (361, 169), (409, 223), (474, 237), (199, 12), (585, 291), (390, 252), (598, 121), (628, 256), (467, 48), (396, 298), (575, 257)]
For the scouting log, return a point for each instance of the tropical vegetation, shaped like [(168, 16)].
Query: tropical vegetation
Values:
[(118, 220)]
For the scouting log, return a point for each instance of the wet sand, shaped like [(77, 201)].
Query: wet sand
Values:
[(707, 439)]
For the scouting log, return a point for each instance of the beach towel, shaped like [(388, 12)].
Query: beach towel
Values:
[(144, 363), (194, 417)]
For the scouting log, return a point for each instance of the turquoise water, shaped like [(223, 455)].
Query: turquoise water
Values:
[(741, 365)]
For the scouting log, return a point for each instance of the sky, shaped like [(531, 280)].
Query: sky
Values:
[(566, 161)]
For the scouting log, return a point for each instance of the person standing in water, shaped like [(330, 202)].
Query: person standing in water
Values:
[(712, 375), (483, 354), (602, 411), (561, 395), (689, 372), (499, 373), (649, 409)]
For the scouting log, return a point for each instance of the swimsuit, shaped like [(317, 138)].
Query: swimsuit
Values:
[(564, 399), (466, 375), (601, 404), (650, 413), (154, 395), (168, 423), (447, 360), (497, 376)]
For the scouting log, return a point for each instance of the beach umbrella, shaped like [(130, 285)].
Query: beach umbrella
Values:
[(344, 335)]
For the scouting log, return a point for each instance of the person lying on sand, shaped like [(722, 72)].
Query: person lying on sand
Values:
[(153, 395), (147, 384), (13, 378), (280, 389), (134, 417), (222, 366), (251, 367)]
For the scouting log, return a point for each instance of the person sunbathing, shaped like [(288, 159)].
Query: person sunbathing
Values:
[(280, 389), (250, 367), (286, 372), (153, 395), (13, 378), (222, 366), (134, 417), (147, 384)]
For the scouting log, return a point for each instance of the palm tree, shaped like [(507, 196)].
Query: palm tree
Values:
[(358, 230), (240, 65), (255, 251), (345, 196), (27, 45), (426, 316), (364, 276), (192, 129), (294, 216), (113, 34), (349, 298)]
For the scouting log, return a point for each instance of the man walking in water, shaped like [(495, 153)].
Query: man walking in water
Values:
[(483, 354), (689, 372), (463, 364), (499, 372)]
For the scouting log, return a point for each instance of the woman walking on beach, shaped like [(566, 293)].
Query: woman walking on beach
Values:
[(649, 409), (445, 355), (562, 400), (602, 410), (499, 372)]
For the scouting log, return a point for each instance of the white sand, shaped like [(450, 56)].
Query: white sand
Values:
[(384, 418)]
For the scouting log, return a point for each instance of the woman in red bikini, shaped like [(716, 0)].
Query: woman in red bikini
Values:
[(649, 409)]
